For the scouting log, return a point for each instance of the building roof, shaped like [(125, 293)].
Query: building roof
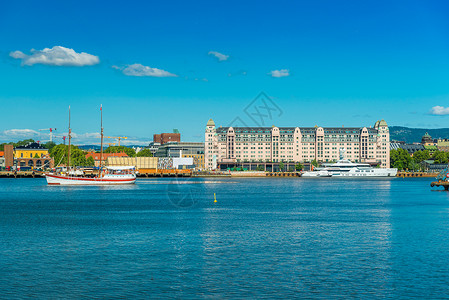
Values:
[(382, 123), (430, 147), (292, 129), (210, 123), (31, 146), (410, 148)]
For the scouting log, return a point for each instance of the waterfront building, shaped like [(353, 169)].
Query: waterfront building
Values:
[(138, 162), (237, 145), (198, 160), (32, 150), (179, 149), (96, 156), (443, 145), (153, 147), (32, 155)]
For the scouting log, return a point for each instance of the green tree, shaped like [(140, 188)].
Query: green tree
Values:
[(314, 163), (116, 149), (90, 162), (23, 143), (260, 168), (36, 156), (440, 157), (18, 144), (144, 153), (77, 156), (48, 145), (400, 159), (299, 166), (414, 166), (281, 166), (420, 156)]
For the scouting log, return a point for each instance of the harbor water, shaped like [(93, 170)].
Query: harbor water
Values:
[(263, 237)]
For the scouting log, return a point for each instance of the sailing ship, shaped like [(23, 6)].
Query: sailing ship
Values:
[(106, 175)]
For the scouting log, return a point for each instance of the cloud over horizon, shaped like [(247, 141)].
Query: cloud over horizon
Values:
[(280, 73), (56, 56), (19, 134), (140, 70), (219, 56), (439, 110)]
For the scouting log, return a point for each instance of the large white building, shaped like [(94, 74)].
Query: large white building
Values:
[(296, 144)]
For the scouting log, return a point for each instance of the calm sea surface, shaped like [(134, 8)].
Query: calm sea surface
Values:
[(265, 238)]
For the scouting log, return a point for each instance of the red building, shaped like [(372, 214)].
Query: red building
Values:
[(96, 156), (164, 138)]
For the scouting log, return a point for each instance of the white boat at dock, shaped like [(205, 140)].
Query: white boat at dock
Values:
[(106, 176), (346, 168)]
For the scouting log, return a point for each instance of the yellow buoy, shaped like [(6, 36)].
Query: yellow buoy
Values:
[(215, 198)]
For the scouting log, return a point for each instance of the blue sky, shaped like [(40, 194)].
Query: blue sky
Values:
[(348, 63)]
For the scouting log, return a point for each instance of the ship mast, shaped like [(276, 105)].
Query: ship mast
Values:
[(70, 136), (101, 153)]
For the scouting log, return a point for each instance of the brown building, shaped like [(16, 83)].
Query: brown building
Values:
[(164, 138), (9, 155)]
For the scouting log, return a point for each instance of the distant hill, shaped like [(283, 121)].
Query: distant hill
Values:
[(97, 147), (414, 135)]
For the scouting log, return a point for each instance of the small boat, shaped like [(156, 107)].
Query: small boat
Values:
[(106, 176)]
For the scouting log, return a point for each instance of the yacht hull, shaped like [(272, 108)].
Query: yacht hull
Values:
[(69, 180), (378, 173)]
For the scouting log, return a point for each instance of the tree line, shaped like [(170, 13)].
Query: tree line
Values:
[(77, 156), (401, 159)]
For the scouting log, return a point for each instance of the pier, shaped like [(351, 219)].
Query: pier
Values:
[(164, 173), (21, 174), (439, 183), (416, 174)]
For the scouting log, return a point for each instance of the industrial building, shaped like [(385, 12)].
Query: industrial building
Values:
[(179, 149)]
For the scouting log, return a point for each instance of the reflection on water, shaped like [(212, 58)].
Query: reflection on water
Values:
[(279, 237)]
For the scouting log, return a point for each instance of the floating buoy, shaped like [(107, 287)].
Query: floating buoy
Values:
[(215, 198)]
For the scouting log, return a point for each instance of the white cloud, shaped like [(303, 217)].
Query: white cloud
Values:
[(280, 73), (219, 56), (56, 56), (141, 71), (439, 110), (13, 135)]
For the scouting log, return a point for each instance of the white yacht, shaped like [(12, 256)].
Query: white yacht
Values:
[(346, 168)]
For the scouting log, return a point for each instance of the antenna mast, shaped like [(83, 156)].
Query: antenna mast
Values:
[(70, 136), (101, 153)]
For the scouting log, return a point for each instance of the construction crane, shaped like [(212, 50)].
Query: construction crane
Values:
[(63, 137), (118, 138), (51, 132)]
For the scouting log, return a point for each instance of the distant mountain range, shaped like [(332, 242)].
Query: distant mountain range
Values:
[(414, 135)]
